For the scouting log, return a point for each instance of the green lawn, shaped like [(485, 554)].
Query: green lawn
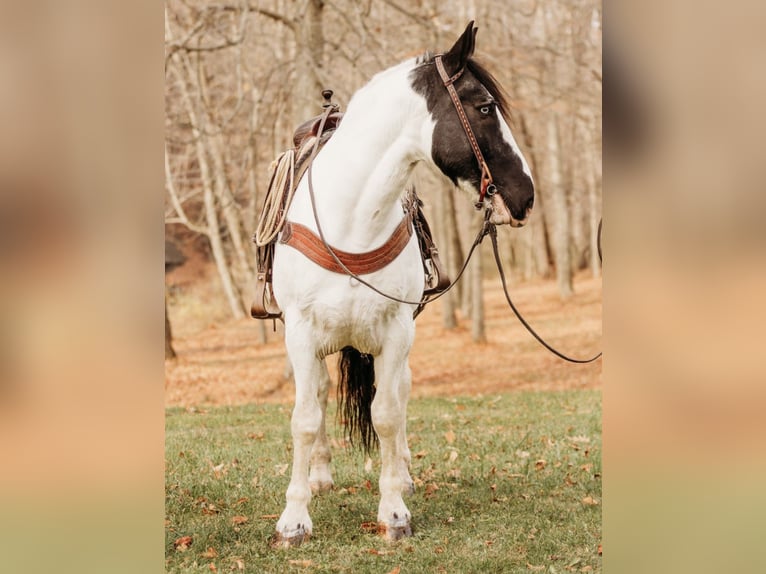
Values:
[(505, 483)]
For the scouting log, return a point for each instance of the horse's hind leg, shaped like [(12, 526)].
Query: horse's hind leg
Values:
[(294, 525), (388, 416), (320, 476)]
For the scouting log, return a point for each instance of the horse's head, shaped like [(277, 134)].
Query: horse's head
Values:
[(511, 191)]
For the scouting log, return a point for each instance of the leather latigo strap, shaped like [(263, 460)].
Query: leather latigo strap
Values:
[(304, 240)]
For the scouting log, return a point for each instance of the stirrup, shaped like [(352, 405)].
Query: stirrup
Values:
[(265, 305)]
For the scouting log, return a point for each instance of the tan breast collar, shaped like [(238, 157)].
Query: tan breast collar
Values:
[(307, 242)]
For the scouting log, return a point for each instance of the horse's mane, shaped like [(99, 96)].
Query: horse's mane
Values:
[(484, 76)]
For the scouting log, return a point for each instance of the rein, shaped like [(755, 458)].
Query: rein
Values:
[(487, 228), (491, 230), (420, 304)]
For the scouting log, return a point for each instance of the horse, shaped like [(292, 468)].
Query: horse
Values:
[(352, 195)]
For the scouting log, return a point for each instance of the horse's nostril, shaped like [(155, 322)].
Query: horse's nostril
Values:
[(530, 204)]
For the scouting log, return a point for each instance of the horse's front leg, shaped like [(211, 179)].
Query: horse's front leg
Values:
[(408, 485), (294, 525), (320, 476), (388, 417)]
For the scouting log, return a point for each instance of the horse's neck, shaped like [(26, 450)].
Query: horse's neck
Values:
[(359, 176)]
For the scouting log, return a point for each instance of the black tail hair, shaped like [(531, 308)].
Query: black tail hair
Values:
[(356, 389)]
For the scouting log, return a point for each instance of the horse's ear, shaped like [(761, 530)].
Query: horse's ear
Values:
[(457, 56)]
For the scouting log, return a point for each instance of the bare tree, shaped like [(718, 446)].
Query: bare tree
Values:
[(241, 74)]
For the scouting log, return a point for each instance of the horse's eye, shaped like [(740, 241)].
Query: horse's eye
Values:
[(485, 109)]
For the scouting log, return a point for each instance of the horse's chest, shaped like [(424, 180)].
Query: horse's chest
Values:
[(360, 324)]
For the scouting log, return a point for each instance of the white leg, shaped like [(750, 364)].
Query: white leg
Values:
[(389, 416), (320, 475), (408, 485), (295, 526)]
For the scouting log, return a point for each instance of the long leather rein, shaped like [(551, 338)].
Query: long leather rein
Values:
[(487, 189)]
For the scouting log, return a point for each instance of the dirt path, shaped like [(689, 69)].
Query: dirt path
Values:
[(225, 365)]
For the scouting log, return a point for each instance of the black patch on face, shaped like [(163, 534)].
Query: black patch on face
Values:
[(481, 96)]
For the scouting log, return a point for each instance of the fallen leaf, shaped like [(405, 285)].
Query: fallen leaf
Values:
[(269, 516), (239, 519), (377, 552), (240, 564), (431, 487), (395, 570), (535, 568), (254, 482), (183, 543), (280, 469), (421, 454), (302, 563), (370, 526), (255, 435), (209, 508), (589, 501), (210, 553), (599, 549), (453, 456), (522, 454), (449, 436), (540, 464), (241, 500), (586, 569), (212, 567)]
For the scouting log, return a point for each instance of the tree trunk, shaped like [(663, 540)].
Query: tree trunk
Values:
[(556, 208), (444, 231), (212, 231), (478, 333), (309, 62), (169, 351), (219, 255)]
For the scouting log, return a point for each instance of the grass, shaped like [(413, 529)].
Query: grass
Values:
[(505, 483)]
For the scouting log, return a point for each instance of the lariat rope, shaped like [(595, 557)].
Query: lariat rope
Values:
[(273, 215)]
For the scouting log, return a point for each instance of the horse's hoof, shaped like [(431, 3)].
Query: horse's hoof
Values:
[(290, 539), (396, 530), (318, 486)]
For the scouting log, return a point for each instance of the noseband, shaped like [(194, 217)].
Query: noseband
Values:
[(487, 188)]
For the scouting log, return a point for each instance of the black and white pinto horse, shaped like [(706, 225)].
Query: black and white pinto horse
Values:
[(403, 116)]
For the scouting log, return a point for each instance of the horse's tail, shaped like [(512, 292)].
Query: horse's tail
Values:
[(356, 389)]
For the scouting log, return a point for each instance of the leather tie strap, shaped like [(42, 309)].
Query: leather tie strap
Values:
[(487, 186), (306, 241)]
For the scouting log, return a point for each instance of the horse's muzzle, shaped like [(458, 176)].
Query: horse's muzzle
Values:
[(501, 215)]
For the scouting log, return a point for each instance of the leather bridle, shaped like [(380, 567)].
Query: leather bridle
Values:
[(487, 187)]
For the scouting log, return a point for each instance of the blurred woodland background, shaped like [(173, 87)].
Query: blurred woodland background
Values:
[(241, 75)]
